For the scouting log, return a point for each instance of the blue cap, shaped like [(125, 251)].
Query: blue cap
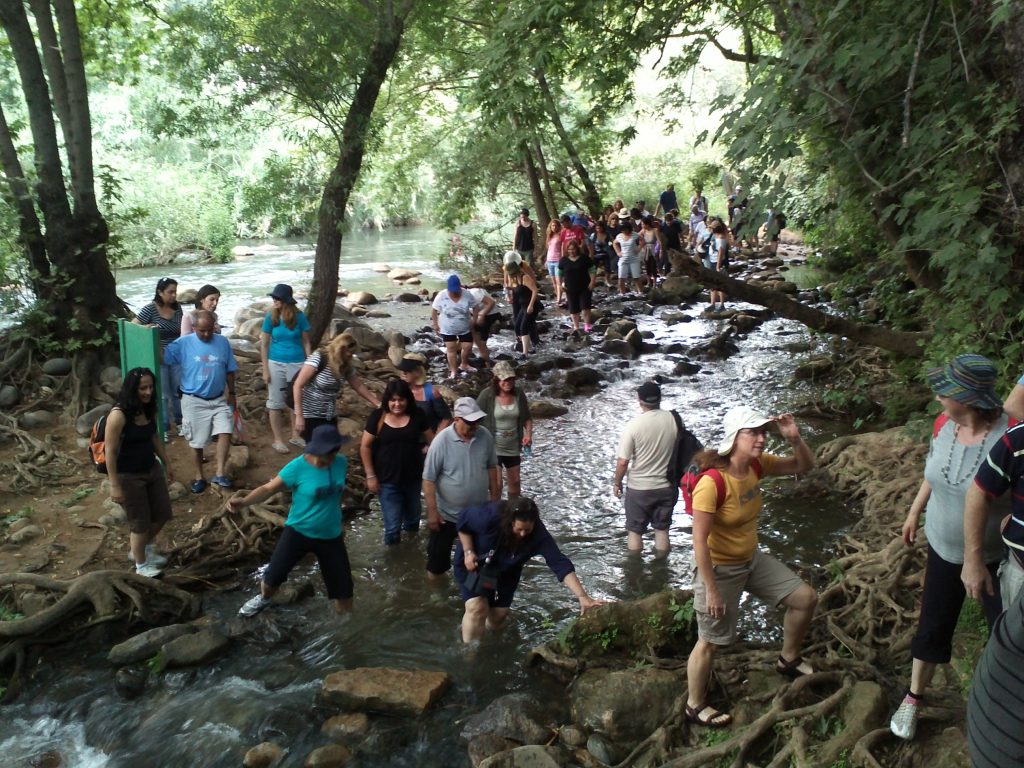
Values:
[(454, 284)]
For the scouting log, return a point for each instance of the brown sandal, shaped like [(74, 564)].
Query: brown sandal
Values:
[(791, 669), (713, 720)]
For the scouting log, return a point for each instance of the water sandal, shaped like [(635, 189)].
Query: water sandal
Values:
[(222, 481), (712, 719), (280, 447), (298, 442), (198, 486), (791, 669)]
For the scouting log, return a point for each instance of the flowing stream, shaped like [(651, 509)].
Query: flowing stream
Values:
[(266, 687)]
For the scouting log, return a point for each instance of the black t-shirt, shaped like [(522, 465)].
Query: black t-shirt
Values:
[(136, 454), (398, 453), (673, 231), (576, 274)]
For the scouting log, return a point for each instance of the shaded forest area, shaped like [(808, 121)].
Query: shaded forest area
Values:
[(890, 134)]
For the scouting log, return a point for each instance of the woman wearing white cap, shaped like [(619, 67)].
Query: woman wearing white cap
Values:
[(726, 504), (508, 419)]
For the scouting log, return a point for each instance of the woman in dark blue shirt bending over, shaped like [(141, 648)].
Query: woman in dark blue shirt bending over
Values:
[(512, 530)]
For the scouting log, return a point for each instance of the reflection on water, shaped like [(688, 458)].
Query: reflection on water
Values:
[(266, 687)]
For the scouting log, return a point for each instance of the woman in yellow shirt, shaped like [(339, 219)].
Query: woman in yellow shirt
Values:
[(726, 504)]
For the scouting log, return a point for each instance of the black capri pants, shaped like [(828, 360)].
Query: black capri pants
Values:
[(330, 554)]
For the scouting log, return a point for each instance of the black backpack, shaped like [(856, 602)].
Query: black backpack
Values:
[(289, 387), (684, 449)]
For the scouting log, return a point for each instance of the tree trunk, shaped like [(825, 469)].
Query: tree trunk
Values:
[(592, 197), (545, 177), (537, 194), (901, 342), (338, 188), (30, 233)]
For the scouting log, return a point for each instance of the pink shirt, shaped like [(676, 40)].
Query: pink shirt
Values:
[(554, 249)]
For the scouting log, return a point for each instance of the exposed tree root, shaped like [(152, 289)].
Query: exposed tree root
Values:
[(38, 462)]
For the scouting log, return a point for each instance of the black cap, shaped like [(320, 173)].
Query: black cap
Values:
[(649, 393)]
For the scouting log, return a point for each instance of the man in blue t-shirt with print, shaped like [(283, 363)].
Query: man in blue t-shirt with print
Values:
[(208, 394)]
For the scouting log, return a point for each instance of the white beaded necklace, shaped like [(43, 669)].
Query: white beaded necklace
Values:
[(977, 462)]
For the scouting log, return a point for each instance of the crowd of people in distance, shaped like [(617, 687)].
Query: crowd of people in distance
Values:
[(459, 466)]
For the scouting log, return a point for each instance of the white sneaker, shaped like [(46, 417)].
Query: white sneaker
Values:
[(253, 606), (904, 721), (148, 570), (152, 557)]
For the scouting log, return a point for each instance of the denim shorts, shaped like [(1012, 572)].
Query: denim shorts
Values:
[(553, 268)]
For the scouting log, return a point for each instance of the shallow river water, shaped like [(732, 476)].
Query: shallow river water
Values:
[(266, 688)]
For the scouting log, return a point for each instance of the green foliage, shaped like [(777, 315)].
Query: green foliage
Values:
[(826, 727), (682, 615), (156, 664), (80, 493), (835, 571), (970, 638), (843, 761), (13, 517)]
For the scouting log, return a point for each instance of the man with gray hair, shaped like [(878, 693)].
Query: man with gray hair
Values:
[(461, 471), (645, 450)]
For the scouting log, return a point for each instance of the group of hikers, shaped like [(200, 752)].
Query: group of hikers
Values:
[(462, 462)]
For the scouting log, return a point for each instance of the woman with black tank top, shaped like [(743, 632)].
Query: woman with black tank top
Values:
[(525, 236), (137, 481)]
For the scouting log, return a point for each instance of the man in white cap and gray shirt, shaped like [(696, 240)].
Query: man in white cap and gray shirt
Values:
[(461, 471), (645, 450)]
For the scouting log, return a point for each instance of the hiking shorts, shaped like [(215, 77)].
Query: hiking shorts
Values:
[(653, 508)]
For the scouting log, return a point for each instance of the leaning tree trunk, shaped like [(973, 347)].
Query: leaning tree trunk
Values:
[(592, 197), (338, 188), (545, 177), (904, 343), (543, 219), (30, 231)]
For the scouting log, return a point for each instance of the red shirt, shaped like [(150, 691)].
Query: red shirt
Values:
[(574, 234)]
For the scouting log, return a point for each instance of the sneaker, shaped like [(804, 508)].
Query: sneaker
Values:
[(148, 569), (904, 721), (152, 557), (587, 327), (253, 606)]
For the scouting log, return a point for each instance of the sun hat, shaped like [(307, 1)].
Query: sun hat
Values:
[(467, 409), (968, 379), (740, 417), (503, 370), (325, 440), (282, 292), (411, 361), (510, 258), (624, 214), (454, 284), (649, 393)]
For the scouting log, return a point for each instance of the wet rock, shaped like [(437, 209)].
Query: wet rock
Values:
[(363, 298), (546, 409), (145, 645), (378, 314), (263, 755), (51, 758), (572, 736), (674, 290), (773, 262), (600, 748), (487, 745), (403, 274), (565, 362), (619, 328), (635, 339), (193, 649), (527, 757), (331, 756), (57, 366), (583, 377), (814, 368), (346, 727), (294, 591), (784, 286), (408, 298), (744, 323), (360, 311), (369, 340), (130, 682), (618, 348), (674, 318), (39, 419), (380, 267), (238, 459), (605, 700), (177, 491), (515, 716), (26, 534), (392, 691), (412, 281), (9, 396), (685, 368)]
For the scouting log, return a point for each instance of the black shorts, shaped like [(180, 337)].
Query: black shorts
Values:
[(484, 331), (312, 423), (330, 553), (510, 461), (439, 548), (579, 301), (465, 338)]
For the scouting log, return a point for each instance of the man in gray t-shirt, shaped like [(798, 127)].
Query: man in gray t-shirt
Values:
[(461, 471)]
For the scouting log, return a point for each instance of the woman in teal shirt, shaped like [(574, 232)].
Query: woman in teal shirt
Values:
[(284, 346), (316, 480)]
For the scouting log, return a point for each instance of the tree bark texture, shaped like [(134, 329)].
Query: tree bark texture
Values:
[(536, 193), (592, 197), (545, 177), (30, 233), (901, 342), (356, 129)]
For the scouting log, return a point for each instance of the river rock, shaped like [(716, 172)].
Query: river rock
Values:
[(546, 409), (392, 691), (111, 380), (130, 682), (10, 396), (379, 314), (599, 747), (744, 323), (618, 348), (363, 298), (606, 700), (177, 490), (146, 644), (51, 758), (674, 290), (238, 459), (262, 755), (412, 281), (115, 510), (330, 756), (685, 368), (515, 716), (38, 419), (345, 727), (487, 745), (57, 366), (198, 648), (369, 340), (408, 298), (380, 267), (635, 339), (528, 757), (814, 368), (403, 274), (572, 736), (26, 534), (617, 329), (583, 377), (249, 329), (785, 286)]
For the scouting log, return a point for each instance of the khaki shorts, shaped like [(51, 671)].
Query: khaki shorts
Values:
[(203, 419), (146, 500), (762, 576)]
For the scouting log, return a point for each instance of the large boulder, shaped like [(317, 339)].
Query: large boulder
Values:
[(26, 534), (605, 700), (403, 274), (238, 459), (198, 648), (515, 716), (408, 298), (57, 366), (85, 422), (146, 644), (250, 329), (10, 396), (674, 290), (528, 757), (377, 689), (546, 409), (583, 377), (369, 340), (38, 419), (363, 298)]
